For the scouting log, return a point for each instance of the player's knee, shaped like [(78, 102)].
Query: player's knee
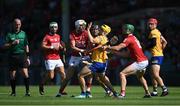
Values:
[(156, 76), (67, 78), (51, 77), (121, 74), (97, 78), (80, 76), (102, 78), (63, 77), (12, 77)]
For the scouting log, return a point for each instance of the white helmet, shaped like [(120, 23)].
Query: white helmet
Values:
[(80, 22), (53, 24)]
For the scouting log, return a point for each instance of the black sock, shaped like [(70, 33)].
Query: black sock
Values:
[(164, 88), (26, 82), (52, 80), (88, 92), (155, 89), (106, 89), (115, 93), (13, 85), (83, 93)]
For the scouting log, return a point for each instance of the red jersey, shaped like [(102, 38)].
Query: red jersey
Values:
[(52, 40), (81, 41), (135, 48)]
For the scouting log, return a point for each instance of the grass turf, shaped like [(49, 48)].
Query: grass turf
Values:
[(133, 97)]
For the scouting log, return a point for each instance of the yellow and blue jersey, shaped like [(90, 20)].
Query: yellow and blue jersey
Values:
[(100, 55), (157, 49)]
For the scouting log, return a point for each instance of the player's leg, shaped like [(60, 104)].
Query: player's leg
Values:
[(48, 75), (83, 73), (88, 85), (103, 78), (129, 70), (99, 70), (13, 66), (51, 75), (26, 80), (62, 73), (155, 73), (144, 83), (154, 83), (60, 70), (69, 73), (23, 65), (86, 72), (106, 89), (13, 82), (73, 63)]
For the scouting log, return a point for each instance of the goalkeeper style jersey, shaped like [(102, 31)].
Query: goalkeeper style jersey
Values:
[(157, 49)]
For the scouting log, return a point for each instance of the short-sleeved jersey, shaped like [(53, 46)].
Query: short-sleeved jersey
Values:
[(99, 55), (136, 52), (81, 41), (52, 40), (23, 42), (157, 49)]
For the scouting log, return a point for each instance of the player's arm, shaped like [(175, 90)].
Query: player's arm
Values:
[(118, 47), (26, 43), (95, 48), (27, 50), (9, 43), (44, 45), (73, 46), (91, 38), (163, 41), (62, 46), (151, 43), (122, 53), (28, 54)]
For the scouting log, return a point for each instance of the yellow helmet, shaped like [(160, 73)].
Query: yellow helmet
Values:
[(106, 28)]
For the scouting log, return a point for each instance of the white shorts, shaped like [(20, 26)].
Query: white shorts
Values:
[(75, 61), (52, 64), (140, 66)]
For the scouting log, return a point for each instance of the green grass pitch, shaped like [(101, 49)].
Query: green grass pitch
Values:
[(133, 97)]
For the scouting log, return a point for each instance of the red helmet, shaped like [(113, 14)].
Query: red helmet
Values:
[(153, 21)]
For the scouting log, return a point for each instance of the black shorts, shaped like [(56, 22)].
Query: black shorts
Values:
[(17, 61)]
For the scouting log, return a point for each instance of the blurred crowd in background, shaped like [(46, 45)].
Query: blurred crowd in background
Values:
[(36, 15)]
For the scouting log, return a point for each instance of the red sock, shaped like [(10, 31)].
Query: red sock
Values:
[(123, 92), (61, 90), (88, 85)]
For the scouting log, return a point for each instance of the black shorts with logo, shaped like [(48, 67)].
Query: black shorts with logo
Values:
[(17, 61)]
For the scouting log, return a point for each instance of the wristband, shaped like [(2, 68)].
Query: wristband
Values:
[(82, 50), (51, 47)]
